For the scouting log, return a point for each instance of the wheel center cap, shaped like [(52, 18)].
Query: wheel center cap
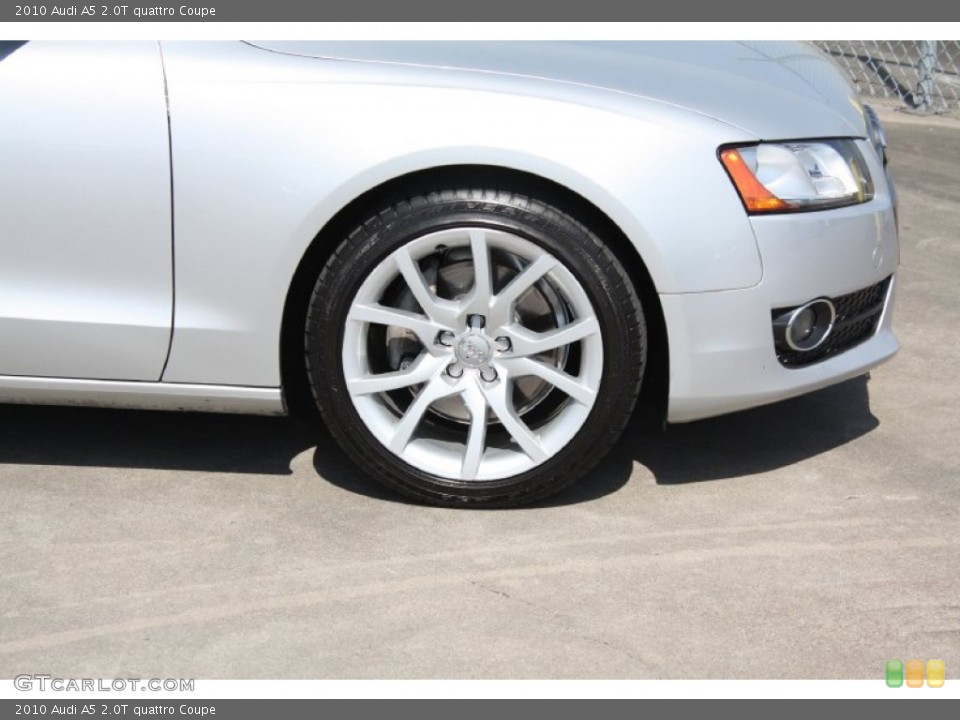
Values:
[(474, 351)]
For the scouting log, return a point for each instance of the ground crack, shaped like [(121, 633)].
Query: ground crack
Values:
[(567, 623)]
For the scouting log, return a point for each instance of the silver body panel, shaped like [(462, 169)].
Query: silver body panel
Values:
[(131, 255)]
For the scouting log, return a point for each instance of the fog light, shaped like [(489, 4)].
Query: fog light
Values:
[(807, 327), (802, 326)]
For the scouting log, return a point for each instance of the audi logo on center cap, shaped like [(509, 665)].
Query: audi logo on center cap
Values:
[(474, 351)]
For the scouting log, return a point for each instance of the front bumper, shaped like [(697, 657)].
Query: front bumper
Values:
[(722, 355)]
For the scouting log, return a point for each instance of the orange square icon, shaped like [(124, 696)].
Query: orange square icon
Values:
[(914, 673), (935, 673)]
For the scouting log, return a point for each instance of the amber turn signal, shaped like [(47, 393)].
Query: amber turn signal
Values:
[(755, 196)]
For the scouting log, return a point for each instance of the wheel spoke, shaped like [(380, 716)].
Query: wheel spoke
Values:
[(440, 311), (566, 383), (502, 306), (477, 435), (480, 297), (435, 390), (526, 342), (420, 372), (482, 275), (423, 327), (498, 399)]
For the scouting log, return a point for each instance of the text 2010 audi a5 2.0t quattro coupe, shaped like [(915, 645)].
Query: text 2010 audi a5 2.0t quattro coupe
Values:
[(467, 256)]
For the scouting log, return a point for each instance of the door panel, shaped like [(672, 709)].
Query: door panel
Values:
[(86, 286)]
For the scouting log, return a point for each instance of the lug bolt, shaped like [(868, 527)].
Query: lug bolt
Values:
[(488, 374), (476, 321), (455, 370), (503, 344), (445, 337)]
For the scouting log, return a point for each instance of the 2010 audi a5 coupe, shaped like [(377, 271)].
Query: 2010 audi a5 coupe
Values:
[(469, 257)]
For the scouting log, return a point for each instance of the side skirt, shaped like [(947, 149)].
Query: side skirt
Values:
[(141, 395)]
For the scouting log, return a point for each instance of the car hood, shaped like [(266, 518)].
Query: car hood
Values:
[(774, 90)]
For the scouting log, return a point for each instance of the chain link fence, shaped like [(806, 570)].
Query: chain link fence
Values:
[(923, 75)]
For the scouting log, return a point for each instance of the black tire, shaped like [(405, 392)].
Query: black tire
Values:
[(613, 297)]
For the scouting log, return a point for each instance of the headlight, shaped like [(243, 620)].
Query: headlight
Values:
[(875, 132), (797, 176)]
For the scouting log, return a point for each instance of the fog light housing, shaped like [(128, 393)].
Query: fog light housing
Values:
[(807, 327)]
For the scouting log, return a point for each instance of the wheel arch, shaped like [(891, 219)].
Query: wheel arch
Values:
[(293, 374)]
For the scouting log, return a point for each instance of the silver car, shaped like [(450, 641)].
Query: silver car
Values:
[(471, 258)]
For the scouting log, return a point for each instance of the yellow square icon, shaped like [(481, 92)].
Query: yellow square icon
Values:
[(914, 673), (935, 673)]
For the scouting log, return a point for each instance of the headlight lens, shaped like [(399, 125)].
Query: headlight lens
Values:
[(797, 176), (875, 132)]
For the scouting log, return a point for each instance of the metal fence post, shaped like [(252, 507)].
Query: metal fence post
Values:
[(925, 68)]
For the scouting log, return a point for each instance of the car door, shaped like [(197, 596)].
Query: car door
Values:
[(86, 276)]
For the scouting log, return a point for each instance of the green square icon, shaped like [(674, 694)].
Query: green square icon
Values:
[(894, 673)]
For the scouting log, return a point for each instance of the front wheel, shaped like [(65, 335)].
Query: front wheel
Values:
[(475, 348)]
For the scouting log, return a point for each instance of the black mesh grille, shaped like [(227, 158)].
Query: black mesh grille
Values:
[(858, 314)]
